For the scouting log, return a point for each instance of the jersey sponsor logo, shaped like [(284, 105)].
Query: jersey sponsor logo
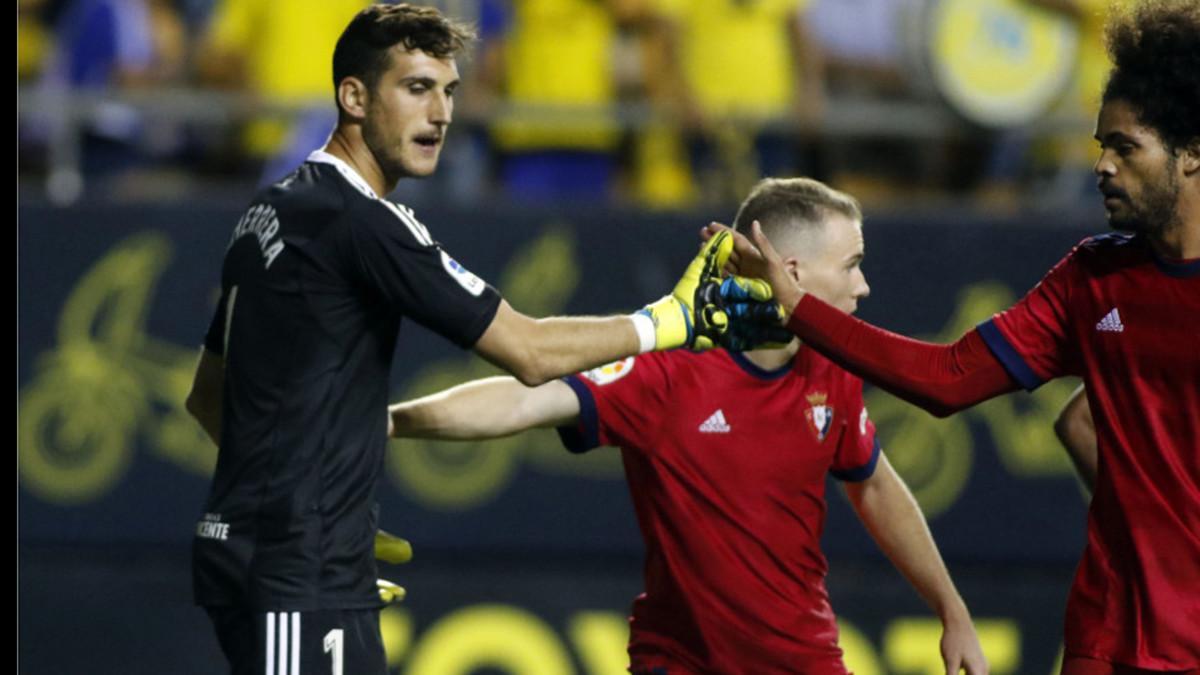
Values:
[(819, 415), (262, 222), (211, 527), (715, 424), (1111, 323), (611, 372), (473, 284)]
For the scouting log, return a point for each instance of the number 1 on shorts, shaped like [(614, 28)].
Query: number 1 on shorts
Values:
[(333, 646)]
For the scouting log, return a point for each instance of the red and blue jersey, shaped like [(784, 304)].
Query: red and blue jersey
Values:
[(1128, 322), (727, 467)]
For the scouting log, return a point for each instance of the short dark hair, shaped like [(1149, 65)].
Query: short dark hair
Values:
[(1155, 51), (793, 206), (362, 50)]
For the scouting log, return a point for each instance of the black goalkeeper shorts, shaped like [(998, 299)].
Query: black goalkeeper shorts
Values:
[(324, 642)]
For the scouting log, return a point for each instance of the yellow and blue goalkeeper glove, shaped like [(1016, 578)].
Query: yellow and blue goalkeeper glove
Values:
[(392, 549), (691, 315), (755, 319)]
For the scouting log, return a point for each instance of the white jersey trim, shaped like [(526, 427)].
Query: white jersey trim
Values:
[(405, 214), (347, 171)]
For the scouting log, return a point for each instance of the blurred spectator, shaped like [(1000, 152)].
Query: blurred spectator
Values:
[(548, 66), (1059, 165), (120, 44), (862, 43), (1092, 67), (34, 38), (747, 77), (115, 45), (282, 53)]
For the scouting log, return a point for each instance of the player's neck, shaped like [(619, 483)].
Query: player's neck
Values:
[(773, 359), (1182, 242), (347, 145)]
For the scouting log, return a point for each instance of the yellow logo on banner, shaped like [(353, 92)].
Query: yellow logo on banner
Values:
[(105, 383), (459, 475), (513, 639)]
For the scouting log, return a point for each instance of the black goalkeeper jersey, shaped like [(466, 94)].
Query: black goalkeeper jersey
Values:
[(317, 278)]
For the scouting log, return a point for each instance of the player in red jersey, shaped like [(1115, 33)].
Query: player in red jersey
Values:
[(1123, 312), (730, 501)]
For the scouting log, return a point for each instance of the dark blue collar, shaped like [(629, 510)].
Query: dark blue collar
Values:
[(1181, 269), (752, 369)]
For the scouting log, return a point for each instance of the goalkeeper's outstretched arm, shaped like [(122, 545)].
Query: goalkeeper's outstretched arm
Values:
[(537, 351), (488, 408)]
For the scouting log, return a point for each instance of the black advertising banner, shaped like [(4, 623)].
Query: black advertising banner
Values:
[(515, 537)]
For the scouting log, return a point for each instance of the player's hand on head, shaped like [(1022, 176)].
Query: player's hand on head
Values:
[(754, 256), (691, 315), (755, 319), (739, 289)]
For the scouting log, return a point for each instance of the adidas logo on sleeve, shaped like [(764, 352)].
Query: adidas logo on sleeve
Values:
[(1111, 323), (715, 424)]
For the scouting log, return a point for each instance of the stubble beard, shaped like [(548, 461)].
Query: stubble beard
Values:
[(1156, 213), (392, 169)]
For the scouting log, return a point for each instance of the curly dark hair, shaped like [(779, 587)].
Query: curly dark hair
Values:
[(362, 51), (1155, 51)]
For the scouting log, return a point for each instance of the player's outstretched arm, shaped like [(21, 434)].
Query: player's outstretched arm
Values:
[(539, 350), (942, 379), (891, 515), (1077, 431), (488, 408), (208, 386)]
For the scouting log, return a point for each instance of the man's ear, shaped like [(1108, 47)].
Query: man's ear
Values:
[(795, 268), (353, 96), (1189, 158)]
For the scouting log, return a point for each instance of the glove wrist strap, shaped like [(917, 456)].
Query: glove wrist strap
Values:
[(644, 325)]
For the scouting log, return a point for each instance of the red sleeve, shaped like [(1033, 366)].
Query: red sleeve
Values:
[(619, 404), (858, 448), (939, 378), (1031, 338)]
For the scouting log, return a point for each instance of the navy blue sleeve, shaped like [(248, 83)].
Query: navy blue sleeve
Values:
[(585, 435), (1008, 357), (861, 473)]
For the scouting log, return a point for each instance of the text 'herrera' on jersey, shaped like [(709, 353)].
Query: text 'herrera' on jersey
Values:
[(318, 275)]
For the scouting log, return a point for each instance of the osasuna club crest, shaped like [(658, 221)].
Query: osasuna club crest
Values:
[(819, 415)]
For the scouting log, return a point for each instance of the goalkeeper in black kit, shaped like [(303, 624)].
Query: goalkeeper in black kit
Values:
[(292, 381)]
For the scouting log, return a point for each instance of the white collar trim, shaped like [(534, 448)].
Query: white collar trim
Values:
[(347, 171)]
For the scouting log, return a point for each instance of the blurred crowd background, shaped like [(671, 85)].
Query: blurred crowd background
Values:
[(665, 104)]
